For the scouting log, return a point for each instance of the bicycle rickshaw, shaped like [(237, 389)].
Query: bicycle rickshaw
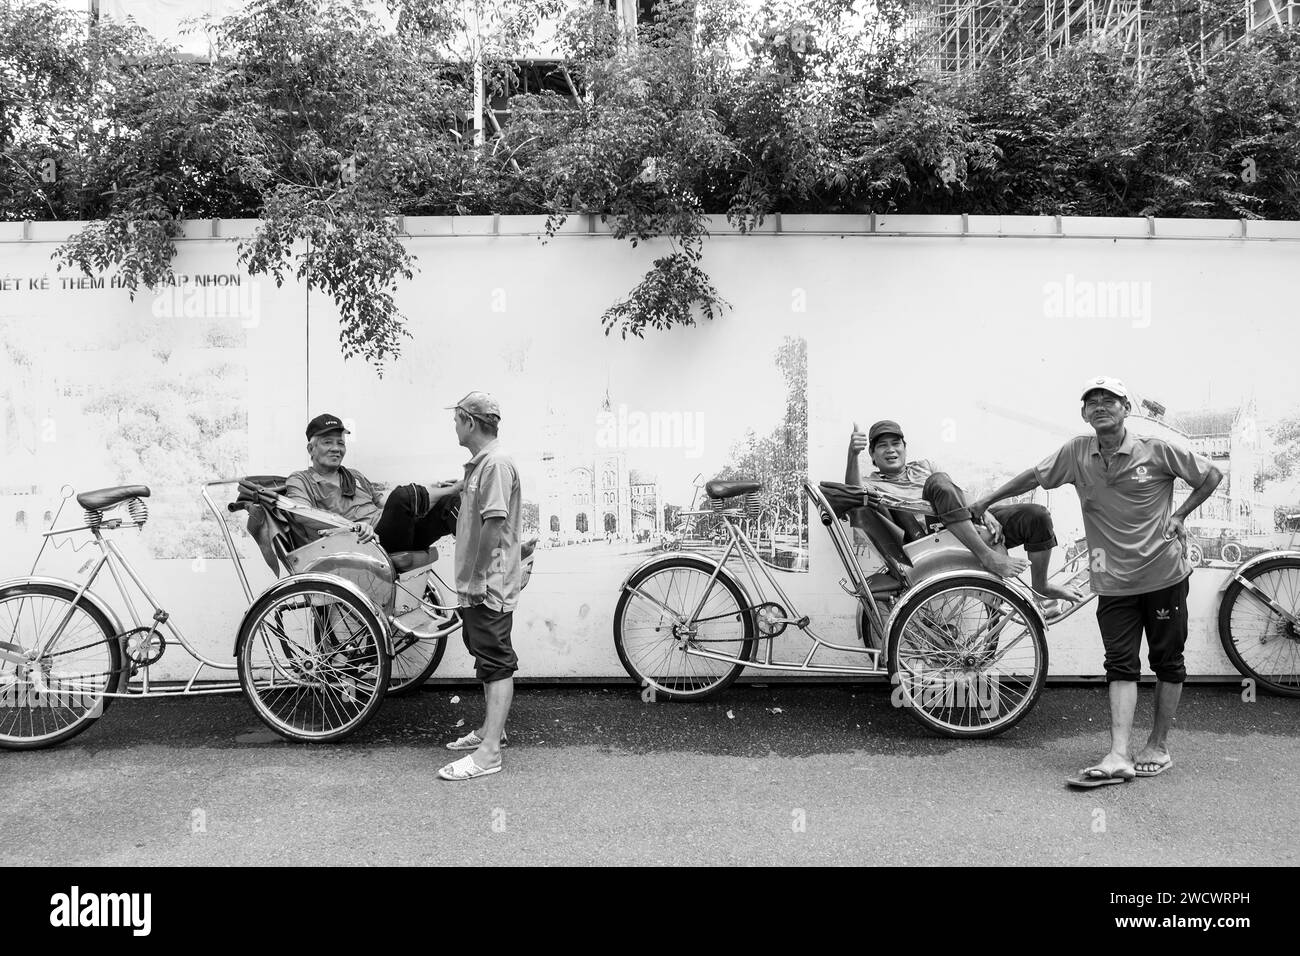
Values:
[(964, 649), (315, 653)]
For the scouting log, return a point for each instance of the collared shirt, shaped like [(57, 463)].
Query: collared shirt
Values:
[(311, 488), (1126, 507), (491, 491), (909, 482)]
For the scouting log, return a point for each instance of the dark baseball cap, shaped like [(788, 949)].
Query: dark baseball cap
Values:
[(880, 429), (325, 423)]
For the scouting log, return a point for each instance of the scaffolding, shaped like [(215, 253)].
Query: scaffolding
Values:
[(958, 36)]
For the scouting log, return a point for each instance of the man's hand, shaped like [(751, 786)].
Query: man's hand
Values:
[(365, 533), (994, 526), (452, 487), (1177, 530), (857, 441)]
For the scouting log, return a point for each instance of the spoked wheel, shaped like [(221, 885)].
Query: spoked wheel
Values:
[(1260, 642), (1231, 553), (312, 660), (56, 695), (653, 635), (967, 657), (1194, 555)]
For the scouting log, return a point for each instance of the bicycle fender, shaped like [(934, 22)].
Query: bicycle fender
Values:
[(677, 555), (90, 597), (1258, 559), (322, 578), (1015, 585)]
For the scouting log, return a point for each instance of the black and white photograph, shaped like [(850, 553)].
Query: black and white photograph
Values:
[(655, 433)]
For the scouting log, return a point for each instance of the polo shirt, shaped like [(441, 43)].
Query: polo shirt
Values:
[(491, 491), (317, 491), (1126, 508)]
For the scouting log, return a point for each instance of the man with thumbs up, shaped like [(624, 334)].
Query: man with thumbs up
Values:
[(1029, 525)]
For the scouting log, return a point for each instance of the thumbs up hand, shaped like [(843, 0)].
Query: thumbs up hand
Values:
[(857, 440)]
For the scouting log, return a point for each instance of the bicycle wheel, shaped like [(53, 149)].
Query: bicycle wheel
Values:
[(312, 661), (652, 644), (416, 658), (1259, 641), (81, 667), (967, 657)]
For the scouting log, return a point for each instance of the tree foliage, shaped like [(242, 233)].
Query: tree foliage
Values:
[(326, 127)]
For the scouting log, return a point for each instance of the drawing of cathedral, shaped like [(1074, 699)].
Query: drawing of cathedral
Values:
[(587, 491)]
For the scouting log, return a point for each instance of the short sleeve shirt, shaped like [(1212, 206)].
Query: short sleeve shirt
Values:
[(491, 491), (909, 483), (1126, 508), (317, 491)]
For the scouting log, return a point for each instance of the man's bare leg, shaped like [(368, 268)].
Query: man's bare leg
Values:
[(1157, 749), (995, 562), (497, 695), (1038, 561), (1123, 702)]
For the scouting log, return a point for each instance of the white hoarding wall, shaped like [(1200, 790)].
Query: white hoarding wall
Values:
[(976, 345)]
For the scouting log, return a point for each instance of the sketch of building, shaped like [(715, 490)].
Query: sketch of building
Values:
[(588, 492)]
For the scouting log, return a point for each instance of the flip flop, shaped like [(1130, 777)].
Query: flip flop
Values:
[(1161, 767), (471, 741), (1091, 777), (465, 769)]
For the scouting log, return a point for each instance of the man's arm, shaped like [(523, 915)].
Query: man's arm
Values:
[(1197, 472), (857, 445), (1023, 483), (1199, 494), (490, 543)]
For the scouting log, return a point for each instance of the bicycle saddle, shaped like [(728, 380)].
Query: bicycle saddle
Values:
[(729, 489), (103, 498)]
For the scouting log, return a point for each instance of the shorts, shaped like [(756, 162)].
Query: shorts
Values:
[(487, 637), (1162, 614)]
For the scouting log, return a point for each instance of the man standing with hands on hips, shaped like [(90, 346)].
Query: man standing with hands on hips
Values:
[(488, 578), (1139, 565)]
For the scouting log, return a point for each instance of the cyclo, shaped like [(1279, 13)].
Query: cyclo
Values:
[(315, 653), (965, 650)]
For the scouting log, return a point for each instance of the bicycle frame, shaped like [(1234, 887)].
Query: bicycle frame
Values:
[(740, 546), (121, 570)]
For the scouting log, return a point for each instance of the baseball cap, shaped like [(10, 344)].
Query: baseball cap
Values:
[(885, 427), (479, 405), (1106, 384), (325, 423)]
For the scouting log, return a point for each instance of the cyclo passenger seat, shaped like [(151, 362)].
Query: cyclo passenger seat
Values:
[(277, 534)]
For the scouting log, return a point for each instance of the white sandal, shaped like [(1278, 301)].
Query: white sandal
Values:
[(471, 741), (466, 769)]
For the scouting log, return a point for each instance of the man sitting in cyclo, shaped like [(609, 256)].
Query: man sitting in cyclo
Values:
[(409, 518), (1024, 524)]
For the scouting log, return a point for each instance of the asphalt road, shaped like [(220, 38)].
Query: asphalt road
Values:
[(760, 775)]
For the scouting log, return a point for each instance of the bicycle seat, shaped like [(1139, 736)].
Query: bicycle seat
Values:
[(729, 489), (103, 498)]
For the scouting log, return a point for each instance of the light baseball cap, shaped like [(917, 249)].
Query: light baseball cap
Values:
[(479, 405), (1106, 384)]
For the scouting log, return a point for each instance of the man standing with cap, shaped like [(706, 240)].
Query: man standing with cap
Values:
[(1139, 565), (488, 578)]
